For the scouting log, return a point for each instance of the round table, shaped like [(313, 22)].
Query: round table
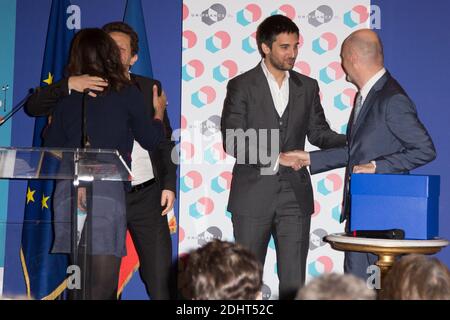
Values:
[(386, 249)]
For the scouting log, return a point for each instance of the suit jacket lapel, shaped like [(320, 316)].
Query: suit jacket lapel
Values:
[(263, 90), (296, 90), (368, 102)]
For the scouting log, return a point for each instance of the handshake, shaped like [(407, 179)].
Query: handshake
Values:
[(296, 159)]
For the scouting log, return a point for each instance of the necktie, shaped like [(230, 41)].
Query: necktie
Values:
[(358, 106)]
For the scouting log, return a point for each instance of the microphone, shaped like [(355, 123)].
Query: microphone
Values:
[(84, 137), (19, 106), (398, 234)]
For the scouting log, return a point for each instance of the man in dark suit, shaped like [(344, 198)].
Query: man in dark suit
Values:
[(273, 109), (384, 134), (153, 192)]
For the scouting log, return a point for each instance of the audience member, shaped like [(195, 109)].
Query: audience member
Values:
[(416, 277), (223, 271), (333, 286)]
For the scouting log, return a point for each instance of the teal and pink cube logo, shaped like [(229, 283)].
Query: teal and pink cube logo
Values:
[(303, 68), (202, 207), (189, 39), (192, 70), (285, 10), (222, 182), (356, 16), (187, 150), (331, 73), (345, 99), (190, 181), (219, 41), (325, 43), (317, 208), (215, 153), (225, 71), (204, 96), (321, 265), (336, 213), (249, 44), (185, 11), (250, 14), (331, 183)]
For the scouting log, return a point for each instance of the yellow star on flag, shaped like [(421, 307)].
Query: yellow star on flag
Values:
[(30, 195), (49, 80), (44, 201)]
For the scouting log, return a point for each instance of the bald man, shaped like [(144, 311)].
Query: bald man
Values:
[(384, 134)]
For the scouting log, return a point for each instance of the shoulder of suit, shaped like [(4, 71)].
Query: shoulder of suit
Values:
[(302, 78), (247, 75), (391, 87), (144, 81)]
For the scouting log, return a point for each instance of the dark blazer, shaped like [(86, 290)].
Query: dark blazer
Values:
[(387, 130), (112, 120), (44, 100), (249, 105)]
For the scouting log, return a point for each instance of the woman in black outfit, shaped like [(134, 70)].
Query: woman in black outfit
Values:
[(114, 118)]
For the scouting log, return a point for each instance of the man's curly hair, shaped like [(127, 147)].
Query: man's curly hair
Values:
[(223, 271)]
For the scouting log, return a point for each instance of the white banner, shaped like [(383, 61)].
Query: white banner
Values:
[(218, 44)]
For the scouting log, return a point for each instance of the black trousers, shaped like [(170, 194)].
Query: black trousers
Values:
[(151, 236), (290, 229)]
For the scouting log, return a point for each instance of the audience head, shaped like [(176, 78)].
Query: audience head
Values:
[(416, 277), (333, 286), (223, 271)]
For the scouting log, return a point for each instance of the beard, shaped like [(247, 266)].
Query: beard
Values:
[(285, 65)]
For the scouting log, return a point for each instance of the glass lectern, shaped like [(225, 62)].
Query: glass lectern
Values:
[(81, 168)]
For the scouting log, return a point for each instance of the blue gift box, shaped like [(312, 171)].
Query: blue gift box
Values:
[(392, 201)]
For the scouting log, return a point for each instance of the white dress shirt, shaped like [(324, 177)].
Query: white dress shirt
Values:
[(141, 165), (369, 84), (280, 95)]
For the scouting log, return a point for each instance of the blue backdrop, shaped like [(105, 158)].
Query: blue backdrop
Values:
[(417, 50)]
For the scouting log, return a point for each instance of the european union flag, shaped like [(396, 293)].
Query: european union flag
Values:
[(134, 17), (45, 273)]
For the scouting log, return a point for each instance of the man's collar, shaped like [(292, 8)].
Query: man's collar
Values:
[(268, 74), (369, 84)]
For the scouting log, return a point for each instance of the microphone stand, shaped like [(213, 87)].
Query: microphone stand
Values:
[(16, 108), (85, 141), (87, 238)]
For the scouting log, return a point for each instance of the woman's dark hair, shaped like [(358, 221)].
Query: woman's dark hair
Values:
[(95, 53)]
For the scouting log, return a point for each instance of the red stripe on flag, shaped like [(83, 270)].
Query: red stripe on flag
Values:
[(129, 264)]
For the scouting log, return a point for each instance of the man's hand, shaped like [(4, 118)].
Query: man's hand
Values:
[(364, 168), (290, 161), (301, 158), (82, 201), (167, 200), (85, 81), (159, 103)]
